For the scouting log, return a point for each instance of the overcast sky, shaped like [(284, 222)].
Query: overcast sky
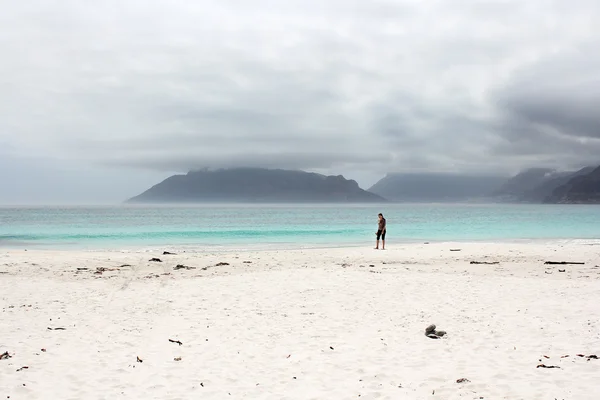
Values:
[(101, 99)]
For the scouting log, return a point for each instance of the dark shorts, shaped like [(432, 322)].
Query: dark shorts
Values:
[(381, 235)]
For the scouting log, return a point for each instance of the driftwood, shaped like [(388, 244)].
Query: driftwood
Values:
[(221, 264), (176, 341), (154, 259), (166, 253), (22, 368), (563, 263), (5, 356), (57, 329), (485, 262), (547, 366)]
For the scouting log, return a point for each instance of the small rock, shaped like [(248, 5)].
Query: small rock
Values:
[(220, 264), (154, 259), (177, 359), (433, 336), (430, 329), (462, 380), (440, 333)]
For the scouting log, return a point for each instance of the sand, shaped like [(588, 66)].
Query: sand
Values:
[(303, 324)]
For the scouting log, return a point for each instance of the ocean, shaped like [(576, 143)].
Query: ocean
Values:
[(207, 227)]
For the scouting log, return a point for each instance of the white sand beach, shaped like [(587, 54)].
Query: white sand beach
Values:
[(342, 323)]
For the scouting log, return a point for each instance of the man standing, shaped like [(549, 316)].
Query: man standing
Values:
[(381, 232)]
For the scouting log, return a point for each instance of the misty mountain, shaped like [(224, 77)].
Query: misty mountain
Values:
[(534, 185), (580, 189), (431, 187), (255, 185)]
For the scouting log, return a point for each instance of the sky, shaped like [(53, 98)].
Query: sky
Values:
[(100, 100)]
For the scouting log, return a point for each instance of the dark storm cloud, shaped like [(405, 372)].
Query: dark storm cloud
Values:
[(549, 108), (340, 86)]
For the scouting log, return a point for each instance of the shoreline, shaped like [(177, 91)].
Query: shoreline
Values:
[(290, 246), (303, 323)]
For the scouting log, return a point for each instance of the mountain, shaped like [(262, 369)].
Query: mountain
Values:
[(534, 185), (255, 185), (581, 189), (431, 187)]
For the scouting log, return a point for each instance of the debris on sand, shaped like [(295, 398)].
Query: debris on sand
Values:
[(154, 259), (139, 360), (462, 380), (175, 341), (455, 249), (563, 263), (5, 356), (177, 359), (181, 266), (547, 366), (431, 333), (57, 329), (220, 264), (22, 368), (166, 253), (485, 262)]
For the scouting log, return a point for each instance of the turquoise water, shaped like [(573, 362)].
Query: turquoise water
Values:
[(331, 225)]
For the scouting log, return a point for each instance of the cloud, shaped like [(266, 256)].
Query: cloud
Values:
[(351, 86)]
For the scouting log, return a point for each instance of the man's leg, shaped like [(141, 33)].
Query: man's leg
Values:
[(377, 244), (383, 244)]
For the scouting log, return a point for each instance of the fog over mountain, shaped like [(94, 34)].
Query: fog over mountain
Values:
[(101, 100)]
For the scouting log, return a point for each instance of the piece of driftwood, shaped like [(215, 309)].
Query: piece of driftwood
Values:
[(563, 263), (547, 366), (166, 253), (485, 262), (57, 329), (176, 341), (5, 356), (154, 259)]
